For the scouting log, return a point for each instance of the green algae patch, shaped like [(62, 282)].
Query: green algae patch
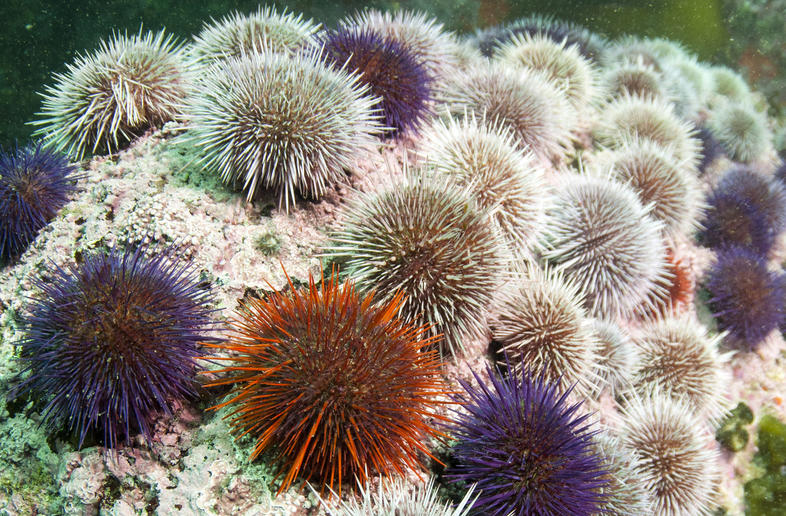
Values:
[(186, 170), (766, 495), (731, 433), (27, 466)]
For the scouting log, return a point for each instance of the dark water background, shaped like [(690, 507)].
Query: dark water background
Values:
[(38, 37)]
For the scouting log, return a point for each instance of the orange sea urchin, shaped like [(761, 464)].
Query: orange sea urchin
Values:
[(336, 385)]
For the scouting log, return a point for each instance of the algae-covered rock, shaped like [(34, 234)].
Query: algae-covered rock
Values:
[(731, 434), (766, 495)]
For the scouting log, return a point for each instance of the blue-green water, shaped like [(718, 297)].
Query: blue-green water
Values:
[(37, 38)]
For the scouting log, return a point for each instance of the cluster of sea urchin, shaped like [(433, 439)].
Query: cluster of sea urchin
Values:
[(267, 120), (113, 340), (337, 384), (106, 98), (528, 450), (34, 184)]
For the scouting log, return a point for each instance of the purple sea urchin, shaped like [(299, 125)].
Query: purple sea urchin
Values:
[(679, 359), (527, 449), (710, 151), (502, 178), (428, 238), (542, 326), (338, 385), (741, 130), (34, 184), (658, 178), (673, 457), (106, 98), (746, 298), (291, 124), (114, 339), (745, 209), (238, 34), (416, 32), (393, 73), (527, 104), (605, 241)]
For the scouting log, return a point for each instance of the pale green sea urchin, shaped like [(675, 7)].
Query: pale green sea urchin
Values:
[(742, 131), (542, 327), (677, 357), (647, 118), (604, 239), (107, 97), (626, 491), (502, 178), (659, 178), (538, 114), (288, 123), (617, 355), (563, 65), (729, 84), (395, 497), (426, 237), (675, 460), (237, 34)]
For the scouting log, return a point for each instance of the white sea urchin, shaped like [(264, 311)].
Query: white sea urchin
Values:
[(289, 123)]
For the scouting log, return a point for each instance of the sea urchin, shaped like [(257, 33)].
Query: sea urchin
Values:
[(393, 73), (106, 98), (526, 448), (114, 339), (34, 184), (427, 238), (746, 298), (337, 385), (289, 123)]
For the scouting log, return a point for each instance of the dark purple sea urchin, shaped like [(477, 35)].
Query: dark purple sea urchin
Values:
[(34, 184), (527, 448), (393, 73), (746, 298), (112, 340), (745, 209)]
